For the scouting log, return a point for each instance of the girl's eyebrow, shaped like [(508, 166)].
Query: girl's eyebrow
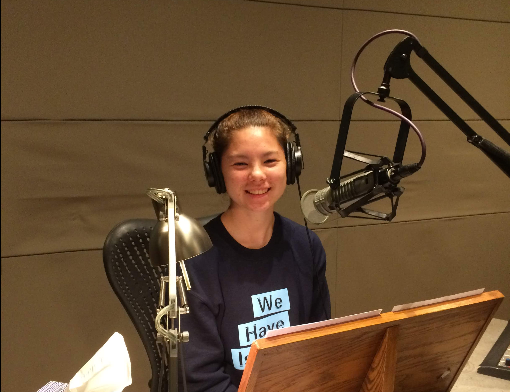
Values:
[(237, 156), (242, 156)]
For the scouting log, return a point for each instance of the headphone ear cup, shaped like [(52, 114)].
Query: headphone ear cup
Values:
[(219, 182), (298, 157), (291, 163), (209, 176)]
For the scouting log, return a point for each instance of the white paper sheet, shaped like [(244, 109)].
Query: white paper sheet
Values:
[(109, 370), (339, 320), (54, 386), (437, 300)]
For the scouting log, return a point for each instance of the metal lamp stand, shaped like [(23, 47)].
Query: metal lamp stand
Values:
[(169, 336)]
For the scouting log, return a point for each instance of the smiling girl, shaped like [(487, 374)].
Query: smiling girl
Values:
[(264, 271)]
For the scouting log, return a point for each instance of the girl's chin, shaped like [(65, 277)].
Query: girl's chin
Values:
[(254, 206)]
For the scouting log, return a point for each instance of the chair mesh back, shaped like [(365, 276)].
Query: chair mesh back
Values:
[(136, 283)]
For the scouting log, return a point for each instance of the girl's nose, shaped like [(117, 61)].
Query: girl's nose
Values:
[(257, 173)]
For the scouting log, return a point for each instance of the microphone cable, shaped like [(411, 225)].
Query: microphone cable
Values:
[(315, 274), (381, 107)]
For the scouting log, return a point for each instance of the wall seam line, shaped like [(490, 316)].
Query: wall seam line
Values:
[(453, 217), (314, 229), (342, 8)]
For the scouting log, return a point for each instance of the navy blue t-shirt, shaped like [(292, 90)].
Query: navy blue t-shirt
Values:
[(238, 294)]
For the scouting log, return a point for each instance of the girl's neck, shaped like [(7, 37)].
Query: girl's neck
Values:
[(252, 230)]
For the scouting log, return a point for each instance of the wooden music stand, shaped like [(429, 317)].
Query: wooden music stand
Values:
[(417, 350)]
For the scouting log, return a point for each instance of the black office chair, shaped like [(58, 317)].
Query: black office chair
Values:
[(136, 283)]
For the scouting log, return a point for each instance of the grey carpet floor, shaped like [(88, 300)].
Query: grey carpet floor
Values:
[(471, 381)]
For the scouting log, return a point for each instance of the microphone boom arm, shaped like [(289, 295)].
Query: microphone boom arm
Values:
[(381, 178), (398, 66)]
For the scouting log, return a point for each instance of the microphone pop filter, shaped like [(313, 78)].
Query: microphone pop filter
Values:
[(308, 208)]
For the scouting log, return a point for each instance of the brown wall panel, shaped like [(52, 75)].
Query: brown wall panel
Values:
[(181, 60), (383, 266), (57, 311), (61, 309), (76, 180), (73, 181), (471, 51)]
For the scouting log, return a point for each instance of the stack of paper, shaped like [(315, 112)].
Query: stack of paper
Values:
[(109, 370)]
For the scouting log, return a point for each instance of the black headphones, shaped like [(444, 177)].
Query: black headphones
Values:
[(293, 155)]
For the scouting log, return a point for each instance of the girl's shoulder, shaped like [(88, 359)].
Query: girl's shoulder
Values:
[(291, 226)]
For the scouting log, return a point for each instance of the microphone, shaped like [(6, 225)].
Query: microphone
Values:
[(318, 205)]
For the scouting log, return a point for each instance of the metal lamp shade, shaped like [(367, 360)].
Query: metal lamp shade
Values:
[(191, 239)]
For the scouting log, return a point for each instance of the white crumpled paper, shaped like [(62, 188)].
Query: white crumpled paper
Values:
[(109, 370)]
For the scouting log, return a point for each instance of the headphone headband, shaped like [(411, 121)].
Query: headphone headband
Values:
[(269, 110)]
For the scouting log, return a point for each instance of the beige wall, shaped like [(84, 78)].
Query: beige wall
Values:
[(104, 99)]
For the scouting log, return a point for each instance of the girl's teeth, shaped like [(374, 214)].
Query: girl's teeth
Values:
[(258, 192)]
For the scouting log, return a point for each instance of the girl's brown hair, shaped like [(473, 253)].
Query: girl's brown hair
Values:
[(243, 118)]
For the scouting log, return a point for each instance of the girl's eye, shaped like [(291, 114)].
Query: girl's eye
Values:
[(271, 161), (239, 164)]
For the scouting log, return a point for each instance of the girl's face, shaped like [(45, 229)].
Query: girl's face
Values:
[(254, 169)]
